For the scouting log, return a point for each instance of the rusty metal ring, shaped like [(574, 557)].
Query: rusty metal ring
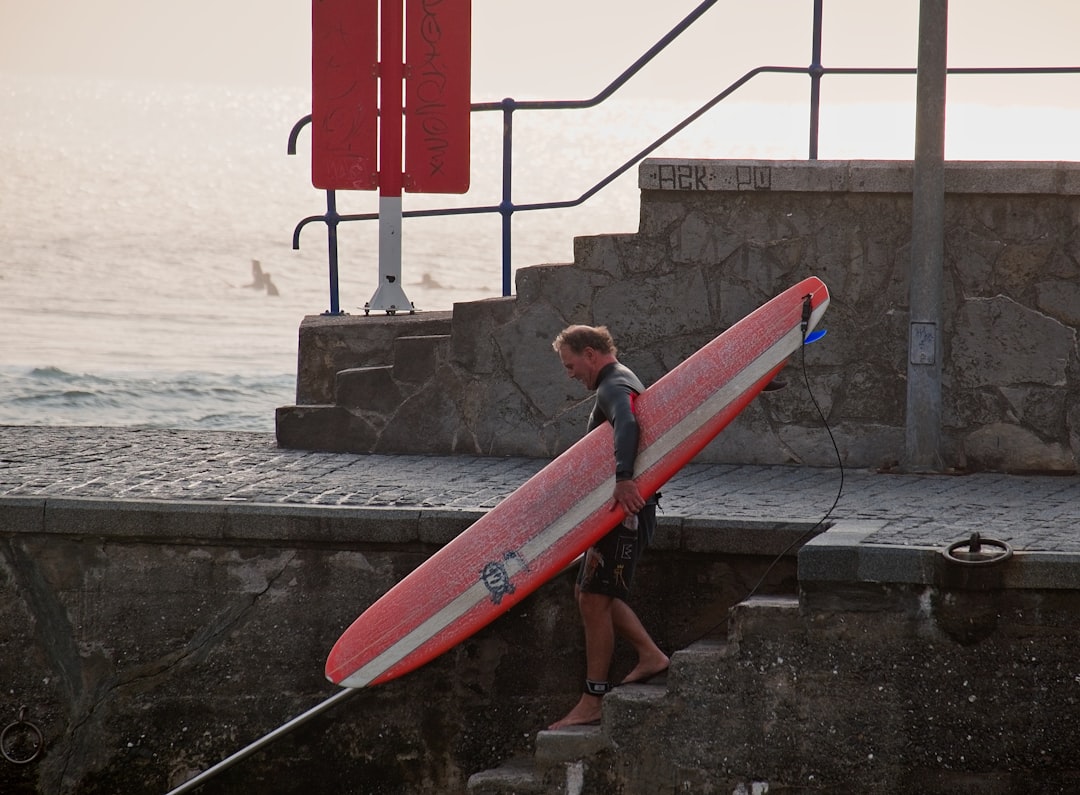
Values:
[(1001, 551), (33, 735)]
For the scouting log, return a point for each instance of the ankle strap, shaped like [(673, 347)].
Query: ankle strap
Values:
[(596, 688)]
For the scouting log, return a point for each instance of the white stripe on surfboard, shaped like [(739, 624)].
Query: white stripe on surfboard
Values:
[(585, 507), (708, 408)]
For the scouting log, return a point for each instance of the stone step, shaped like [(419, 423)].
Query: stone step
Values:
[(700, 665), (332, 343), (381, 388), (523, 777), (627, 706), (368, 389), (765, 617), (570, 744), (563, 757), (513, 777), (417, 357), (327, 427)]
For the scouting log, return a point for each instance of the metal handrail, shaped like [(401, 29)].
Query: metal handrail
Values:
[(506, 208), (331, 218)]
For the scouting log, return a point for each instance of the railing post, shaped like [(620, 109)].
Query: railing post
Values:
[(816, 71), (332, 219), (506, 206)]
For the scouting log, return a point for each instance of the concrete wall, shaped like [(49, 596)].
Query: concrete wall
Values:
[(716, 240), (896, 670), (888, 689), (148, 641)]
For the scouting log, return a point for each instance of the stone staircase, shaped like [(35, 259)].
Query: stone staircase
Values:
[(715, 240), (565, 759), (363, 382), (382, 388), (639, 721)]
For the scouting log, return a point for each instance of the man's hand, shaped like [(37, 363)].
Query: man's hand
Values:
[(627, 497)]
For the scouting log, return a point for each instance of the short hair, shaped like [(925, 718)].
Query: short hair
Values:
[(578, 338)]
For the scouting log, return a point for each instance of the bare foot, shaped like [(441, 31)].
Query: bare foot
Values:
[(586, 712), (646, 669)]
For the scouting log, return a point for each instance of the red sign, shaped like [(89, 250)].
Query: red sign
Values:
[(438, 39), (344, 94)]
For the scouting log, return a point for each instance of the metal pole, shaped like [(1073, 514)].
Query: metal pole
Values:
[(816, 71), (506, 207), (332, 220), (923, 422), (390, 295), (262, 742)]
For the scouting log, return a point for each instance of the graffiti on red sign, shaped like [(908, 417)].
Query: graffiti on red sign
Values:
[(431, 92), (344, 114), (437, 90)]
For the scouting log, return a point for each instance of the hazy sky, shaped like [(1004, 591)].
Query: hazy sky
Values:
[(554, 48)]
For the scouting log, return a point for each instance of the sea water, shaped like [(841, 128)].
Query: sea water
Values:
[(131, 214)]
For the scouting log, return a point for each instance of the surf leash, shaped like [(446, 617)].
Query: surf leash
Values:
[(808, 337)]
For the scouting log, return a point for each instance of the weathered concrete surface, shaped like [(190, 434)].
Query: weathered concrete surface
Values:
[(329, 344), (238, 469), (896, 670), (144, 573), (716, 240), (150, 640), (884, 689)]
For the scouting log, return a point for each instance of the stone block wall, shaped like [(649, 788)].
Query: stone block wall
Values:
[(888, 689), (149, 641), (716, 240)]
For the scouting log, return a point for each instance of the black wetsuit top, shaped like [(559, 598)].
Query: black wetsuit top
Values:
[(616, 388), (609, 566)]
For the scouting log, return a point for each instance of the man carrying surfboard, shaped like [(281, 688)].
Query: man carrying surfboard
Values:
[(589, 355)]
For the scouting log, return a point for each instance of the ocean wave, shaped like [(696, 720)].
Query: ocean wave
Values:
[(187, 400)]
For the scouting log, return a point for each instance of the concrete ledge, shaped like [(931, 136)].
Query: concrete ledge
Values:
[(838, 555), (307, 523), (229, 521), (287, 523), (734, 536), (110, 518), (855, 176), (841, 555), (22, 514)]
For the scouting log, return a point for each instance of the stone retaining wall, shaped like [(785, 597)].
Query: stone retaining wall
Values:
[(150, 640), (716, 240), (880, 689)]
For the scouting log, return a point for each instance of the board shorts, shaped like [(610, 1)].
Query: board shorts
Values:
[(609, 564)]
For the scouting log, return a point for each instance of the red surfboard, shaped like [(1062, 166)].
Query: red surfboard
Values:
[(562, 510)]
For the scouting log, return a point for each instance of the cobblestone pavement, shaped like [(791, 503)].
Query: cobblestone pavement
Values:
[(1030, 512)]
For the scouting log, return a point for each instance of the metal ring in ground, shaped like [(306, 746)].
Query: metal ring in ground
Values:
[(32, 734), (975, 556)]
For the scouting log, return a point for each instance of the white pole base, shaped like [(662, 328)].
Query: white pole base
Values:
[(389, 296)]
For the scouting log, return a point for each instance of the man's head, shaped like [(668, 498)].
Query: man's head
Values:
[(585, 351)]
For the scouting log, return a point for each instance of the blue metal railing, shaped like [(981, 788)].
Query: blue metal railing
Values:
[(506, 208)]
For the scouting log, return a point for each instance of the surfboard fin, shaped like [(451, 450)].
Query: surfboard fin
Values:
[(814, 336)]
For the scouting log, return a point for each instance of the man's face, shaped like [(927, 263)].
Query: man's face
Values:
[(580, 366)]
